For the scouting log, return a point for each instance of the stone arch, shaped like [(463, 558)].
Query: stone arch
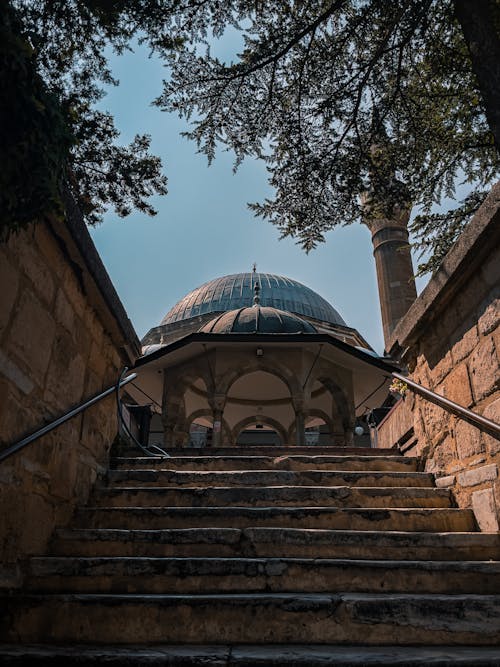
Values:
[(269, 421), (177, 382), (185, 376), (203, 412), (314, 412), (225, 382), (346, 412)]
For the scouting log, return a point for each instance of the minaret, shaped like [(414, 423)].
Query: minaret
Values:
[(386, 211)]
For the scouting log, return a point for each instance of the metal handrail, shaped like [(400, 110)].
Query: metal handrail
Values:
[(8, 451), (123, 424), (470, 417)]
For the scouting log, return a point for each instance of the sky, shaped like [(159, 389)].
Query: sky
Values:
[(204, 230)]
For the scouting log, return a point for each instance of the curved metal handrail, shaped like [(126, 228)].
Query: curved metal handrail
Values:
[(467, 415), (8, 451), (119, 407)]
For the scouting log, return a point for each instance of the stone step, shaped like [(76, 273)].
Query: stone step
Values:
[(269, 542), (312, 496), (361, 618), (407, 519), (199, 478), (288, 655), (271, 450), (259, 575), (285, 462)]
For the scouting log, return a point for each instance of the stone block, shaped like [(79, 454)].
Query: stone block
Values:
[(492, 411), (490, 319), (484, 369), (81, 337), (434, 421), (496, 342), (468, 439), (457, 386), (35, 521), (64, 311), (97, 360), (9, 280), (36, 269), (66, 376), (444, 482), (64, 471), (484, 506), (440, 369), (490, 270), (464, 346), (74, 292), (14, 374), (478, 475), (32, 335), (48, 247)]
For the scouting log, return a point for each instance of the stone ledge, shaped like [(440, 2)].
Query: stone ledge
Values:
[(476, 241)]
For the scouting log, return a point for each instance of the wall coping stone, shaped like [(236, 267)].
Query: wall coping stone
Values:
[(467, 253)]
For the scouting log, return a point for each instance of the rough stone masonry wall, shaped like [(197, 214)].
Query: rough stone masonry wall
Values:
[(63, 338), (450, 340)]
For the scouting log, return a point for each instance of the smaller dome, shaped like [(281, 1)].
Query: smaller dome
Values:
[(258, 319)]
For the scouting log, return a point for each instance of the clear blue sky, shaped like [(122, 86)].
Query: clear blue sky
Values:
[(203, 228)]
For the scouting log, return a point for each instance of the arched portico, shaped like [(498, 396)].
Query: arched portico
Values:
[(230, 379)]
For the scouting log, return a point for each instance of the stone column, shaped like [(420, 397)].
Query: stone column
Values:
[(172, 416), (217, 403), (300, 437), (298, 403), (217, 428), (165, 420)]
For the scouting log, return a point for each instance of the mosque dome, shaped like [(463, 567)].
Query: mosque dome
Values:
[(258, 319), (236, 291)]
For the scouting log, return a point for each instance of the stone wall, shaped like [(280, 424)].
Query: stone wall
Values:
[(64, 336), (450, 340), (396, 429)]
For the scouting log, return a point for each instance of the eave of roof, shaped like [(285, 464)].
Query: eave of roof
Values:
[(388, 365)]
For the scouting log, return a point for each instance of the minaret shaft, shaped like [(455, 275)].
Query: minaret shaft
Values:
[(396, 283)]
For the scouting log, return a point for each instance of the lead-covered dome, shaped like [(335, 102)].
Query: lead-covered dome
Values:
[(236, 291), (258, 319)]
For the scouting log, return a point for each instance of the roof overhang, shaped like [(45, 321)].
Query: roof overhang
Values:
[(371, 374)]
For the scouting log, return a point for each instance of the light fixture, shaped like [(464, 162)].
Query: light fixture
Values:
[(259, 352), (359, 430)]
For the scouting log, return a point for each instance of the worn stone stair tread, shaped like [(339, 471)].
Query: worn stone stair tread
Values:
[(485, 545), (278, 462), (306, 477), (342, 495), (255, 554), (364, 618), (43, 565), (306, 655), (210, 575), (420, 519), (270, 450)]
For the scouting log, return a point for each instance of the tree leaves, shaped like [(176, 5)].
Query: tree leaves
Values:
[(53, 64), (305, 91)]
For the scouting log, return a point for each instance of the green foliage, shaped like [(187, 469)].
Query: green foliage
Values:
[(435, 233), (34, 135), (316, 86), (354, 105), (52, 69)]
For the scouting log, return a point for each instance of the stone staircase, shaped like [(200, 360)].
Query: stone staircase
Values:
[(262, 556)]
